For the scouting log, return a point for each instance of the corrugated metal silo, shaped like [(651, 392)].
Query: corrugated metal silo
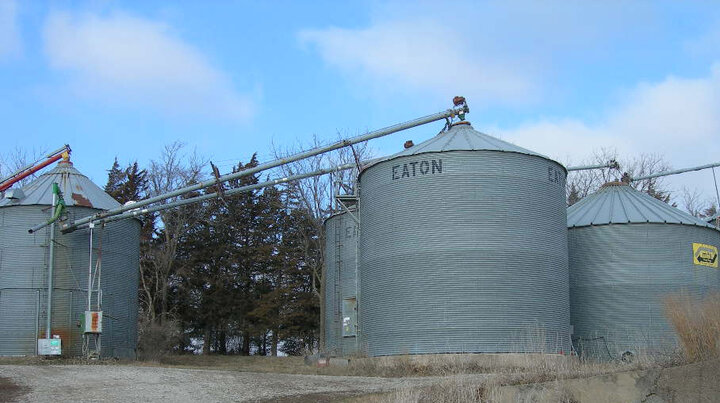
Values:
[(341, 232), (628, 252), (24, 268), (463, 248)]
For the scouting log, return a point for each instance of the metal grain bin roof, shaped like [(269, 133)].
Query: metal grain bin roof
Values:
[(462, 137), (77, 190), (618, 203)]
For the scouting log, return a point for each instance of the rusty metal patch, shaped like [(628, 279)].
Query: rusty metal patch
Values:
[(80, 200)]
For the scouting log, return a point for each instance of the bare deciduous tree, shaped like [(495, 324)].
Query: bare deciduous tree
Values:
[(582, 183), (692, 201), (316, 194), (17, 159), (174, 169)]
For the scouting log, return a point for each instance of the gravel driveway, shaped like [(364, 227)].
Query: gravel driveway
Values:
[(121, 383)]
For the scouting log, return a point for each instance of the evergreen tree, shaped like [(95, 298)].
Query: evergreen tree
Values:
[(130, 184), (573, 194), (116, 176)]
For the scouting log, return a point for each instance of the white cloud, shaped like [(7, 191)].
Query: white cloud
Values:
[(10, 43), (417, 54), (678, 118), (491, 52), (139, 62)]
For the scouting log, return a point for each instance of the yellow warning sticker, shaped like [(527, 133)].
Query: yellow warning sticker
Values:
[(705, 255)]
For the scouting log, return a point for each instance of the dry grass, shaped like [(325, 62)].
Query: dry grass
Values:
[(545, 372), (697, 324), (386, 367), (461, 384), (452, 389), (59, 360), (156, 340)]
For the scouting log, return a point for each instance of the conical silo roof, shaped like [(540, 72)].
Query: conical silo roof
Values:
[(459, 137), (619, 203), (76, 188), (462, 137)]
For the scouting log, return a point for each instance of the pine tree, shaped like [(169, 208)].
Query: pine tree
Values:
[(573, 194), (116, 176), (130, 184)]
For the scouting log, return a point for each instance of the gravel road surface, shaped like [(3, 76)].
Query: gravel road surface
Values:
[(121, 383)]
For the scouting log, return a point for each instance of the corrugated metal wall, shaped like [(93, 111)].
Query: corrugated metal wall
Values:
[(621, 273), (471, 257), (341, 233), (23, 282)]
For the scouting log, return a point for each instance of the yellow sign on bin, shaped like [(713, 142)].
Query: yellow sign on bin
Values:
[(705, 255)]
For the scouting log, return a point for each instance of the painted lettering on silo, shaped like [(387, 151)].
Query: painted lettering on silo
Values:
[(555, 175), (417, 168)]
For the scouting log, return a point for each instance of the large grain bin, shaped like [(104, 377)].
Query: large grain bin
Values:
[(463, 249), (341, 232), (24, 268), (628, 252)]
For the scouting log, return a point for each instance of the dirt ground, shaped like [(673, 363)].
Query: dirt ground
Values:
[(10, 391), (281, 380), (130, 383)]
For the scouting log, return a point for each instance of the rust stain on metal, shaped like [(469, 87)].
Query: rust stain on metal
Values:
[(80, 200), (66, 335)]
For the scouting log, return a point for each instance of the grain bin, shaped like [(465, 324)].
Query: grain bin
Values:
[(628, 252), (24, 268), (463, 249), (341, 232)]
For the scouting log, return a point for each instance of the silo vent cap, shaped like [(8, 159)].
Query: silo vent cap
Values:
[(14, 194)]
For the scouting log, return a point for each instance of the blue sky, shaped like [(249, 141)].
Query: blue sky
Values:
[(228, 78)]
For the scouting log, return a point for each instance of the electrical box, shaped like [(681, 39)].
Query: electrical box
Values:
[(93, 322), (50, 346)]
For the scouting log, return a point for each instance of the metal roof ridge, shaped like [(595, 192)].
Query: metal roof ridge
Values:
[(635, 202), (575, 209), (652, 206), (583, 214), (466, 136), (623, 206), (499, 143)]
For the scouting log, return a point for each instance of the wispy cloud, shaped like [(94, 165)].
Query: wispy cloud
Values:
[(500, 53), (10, 42), (416, 55), (121, 58), (677, 118)]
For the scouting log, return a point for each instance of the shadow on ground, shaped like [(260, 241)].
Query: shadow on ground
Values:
[(10, 391)]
